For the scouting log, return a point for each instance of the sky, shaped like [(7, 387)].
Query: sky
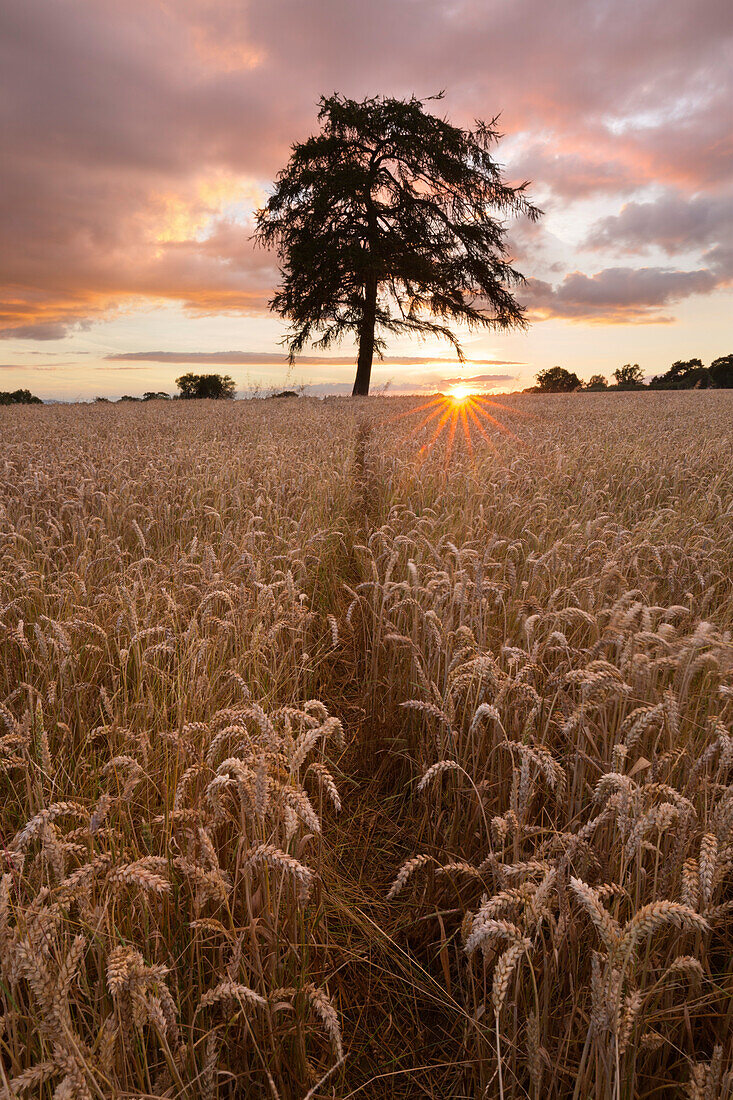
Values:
[(139, 136)]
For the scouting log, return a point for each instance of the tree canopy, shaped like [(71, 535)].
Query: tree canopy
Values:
[(629, 376), (217, 386), (383, 225), (684, 374), (721, 372), (19, 397), (557, 380)]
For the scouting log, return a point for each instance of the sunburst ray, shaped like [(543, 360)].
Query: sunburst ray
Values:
[(444, 413)]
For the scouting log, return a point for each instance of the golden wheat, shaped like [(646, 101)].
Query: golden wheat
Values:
[(257, 664)]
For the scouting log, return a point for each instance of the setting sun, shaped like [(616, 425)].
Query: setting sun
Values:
[(459, 413)]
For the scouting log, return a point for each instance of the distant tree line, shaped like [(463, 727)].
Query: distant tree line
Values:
[(149, 395), (691, 374), (213, 386), (682, 375), (216, 387), (688, 374), (19, 397)]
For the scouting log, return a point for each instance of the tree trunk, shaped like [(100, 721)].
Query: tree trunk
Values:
[(366, 339)]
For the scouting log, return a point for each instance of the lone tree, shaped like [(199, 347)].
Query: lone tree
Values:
[(206, 385), (382, 223), (557, 380)]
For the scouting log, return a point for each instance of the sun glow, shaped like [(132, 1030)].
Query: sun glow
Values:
[(460, 417)]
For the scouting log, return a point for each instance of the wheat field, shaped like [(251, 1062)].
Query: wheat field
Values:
[(336, 768)]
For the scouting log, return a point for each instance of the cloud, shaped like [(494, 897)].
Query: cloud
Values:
[(673, 222), (482, 378), (720, 260), (617, 295), (572, 174), (34, 367), (261, 358), (129, 128), (42, 330)]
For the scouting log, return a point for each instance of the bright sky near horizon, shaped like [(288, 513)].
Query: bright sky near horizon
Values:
[(139, 135)]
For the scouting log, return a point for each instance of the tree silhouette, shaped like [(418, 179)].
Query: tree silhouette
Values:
[(721, 372), (629, 375), (19, 397), (596, 382), (557, 380), (684, 374), (216, 386), (382, 223)]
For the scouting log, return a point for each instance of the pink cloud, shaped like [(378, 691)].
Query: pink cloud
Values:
[(109, 109), (573, 174)]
